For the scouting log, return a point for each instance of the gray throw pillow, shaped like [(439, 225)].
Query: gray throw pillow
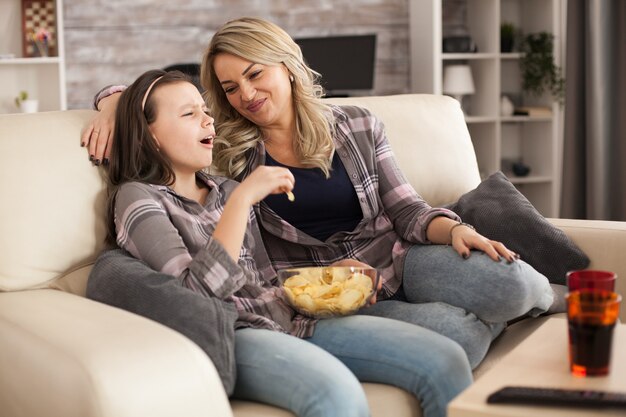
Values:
[(500, 212), (125, 282)]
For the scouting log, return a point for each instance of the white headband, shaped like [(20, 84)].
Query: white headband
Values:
[(145, 96)]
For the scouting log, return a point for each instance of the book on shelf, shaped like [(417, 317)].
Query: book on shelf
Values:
[(533, 111)]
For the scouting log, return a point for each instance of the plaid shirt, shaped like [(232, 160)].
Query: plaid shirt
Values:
[(172, 234), (395, 217)]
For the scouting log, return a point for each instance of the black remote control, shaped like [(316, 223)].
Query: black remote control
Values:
[(558, 397)]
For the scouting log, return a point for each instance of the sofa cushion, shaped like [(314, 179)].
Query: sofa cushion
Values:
[(500, 212), (384, 400), (125, 282)]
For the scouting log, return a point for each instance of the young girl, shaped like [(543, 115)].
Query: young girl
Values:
[(166, 211)]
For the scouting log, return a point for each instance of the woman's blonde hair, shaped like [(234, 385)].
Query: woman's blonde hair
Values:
[(260, 41)]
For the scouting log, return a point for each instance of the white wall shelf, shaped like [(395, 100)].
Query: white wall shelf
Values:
[(480, 119), (477, 55), (42, 77), (32, 61), (497, 139), (511, 55), (531, 179), (520, 119)]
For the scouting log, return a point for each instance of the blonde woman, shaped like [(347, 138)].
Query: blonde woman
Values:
[(351, 197)]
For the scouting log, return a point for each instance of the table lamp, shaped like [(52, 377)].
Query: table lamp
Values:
[(457, 81)]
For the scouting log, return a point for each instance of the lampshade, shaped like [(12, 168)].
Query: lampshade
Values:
[(457, 80)]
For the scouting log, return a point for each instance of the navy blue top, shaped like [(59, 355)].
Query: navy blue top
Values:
[(323, 206)]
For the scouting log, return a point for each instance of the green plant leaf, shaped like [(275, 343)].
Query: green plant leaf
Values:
[(23, 95), (540, 74)]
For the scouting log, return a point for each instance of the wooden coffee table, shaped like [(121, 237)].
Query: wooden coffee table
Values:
[(541, 360)]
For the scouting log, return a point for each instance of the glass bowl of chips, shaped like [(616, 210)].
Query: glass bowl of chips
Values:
[(328, 291)]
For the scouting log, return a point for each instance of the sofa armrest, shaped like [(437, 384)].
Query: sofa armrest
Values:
[(604, 243), (64, 355)]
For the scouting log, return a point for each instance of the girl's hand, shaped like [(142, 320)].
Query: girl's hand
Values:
[(231, 227), (359, 264), (264, 181), (465, 238), (98, 134)]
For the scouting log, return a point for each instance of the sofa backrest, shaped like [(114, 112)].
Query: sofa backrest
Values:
[(52, 214), (51, 217), (430, 141)]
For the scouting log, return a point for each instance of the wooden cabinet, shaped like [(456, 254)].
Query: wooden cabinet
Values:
[(42, 77), (499, 140)]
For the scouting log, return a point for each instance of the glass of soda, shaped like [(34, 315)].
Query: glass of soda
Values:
[(591, 318)]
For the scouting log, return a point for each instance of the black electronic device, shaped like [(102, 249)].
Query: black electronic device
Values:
[(192, 69), (458, 44), (521, 169), (346, 63), (558, 397)]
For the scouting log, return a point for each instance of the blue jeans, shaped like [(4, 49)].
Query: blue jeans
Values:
[(468, 300), (319, 376)]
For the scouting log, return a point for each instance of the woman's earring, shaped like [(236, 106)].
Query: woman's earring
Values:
[(291, 78)]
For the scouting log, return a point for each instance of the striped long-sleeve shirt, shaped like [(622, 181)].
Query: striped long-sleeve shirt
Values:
[(173, 234), (395, 217)]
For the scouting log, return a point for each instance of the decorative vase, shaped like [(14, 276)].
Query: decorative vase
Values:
[(506, 44), (29, 106), (506, 106), (40, 49)]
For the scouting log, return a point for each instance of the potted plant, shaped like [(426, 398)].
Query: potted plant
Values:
[(25, 104), (539, 71), (507, 37)]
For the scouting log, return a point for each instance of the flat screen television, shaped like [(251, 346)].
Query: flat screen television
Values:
[(345, 62)]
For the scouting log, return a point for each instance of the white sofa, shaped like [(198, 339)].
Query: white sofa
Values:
[(62, 355)]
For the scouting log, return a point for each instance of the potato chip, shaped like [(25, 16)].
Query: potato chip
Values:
[(306, 301), (359, 280), (296, 281)]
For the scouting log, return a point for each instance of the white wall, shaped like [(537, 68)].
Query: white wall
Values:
[(113, 41)]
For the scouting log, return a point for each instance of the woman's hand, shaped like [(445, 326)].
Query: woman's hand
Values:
[(359, 264), (264, 181), (98, 134), (465, 238)]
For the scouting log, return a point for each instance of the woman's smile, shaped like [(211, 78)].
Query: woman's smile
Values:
[(255, 105)]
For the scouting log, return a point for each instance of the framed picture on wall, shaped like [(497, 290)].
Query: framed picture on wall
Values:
[(39, 28)]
